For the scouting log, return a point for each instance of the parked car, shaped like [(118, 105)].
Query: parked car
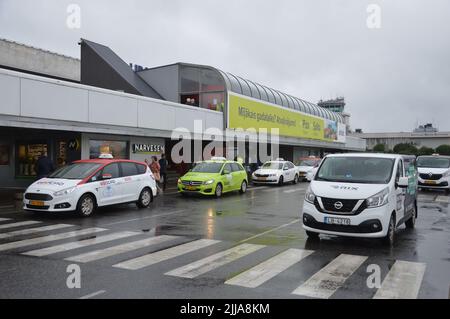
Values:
[(306, 165), (434, 172), (276, 172), (214, 177), (361, 195), (84, 185)]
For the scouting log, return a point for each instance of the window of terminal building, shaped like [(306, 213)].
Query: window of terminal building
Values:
[(202, 87), (118, 149), (27, 154)]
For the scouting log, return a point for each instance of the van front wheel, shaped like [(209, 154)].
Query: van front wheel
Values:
[(389, 239)]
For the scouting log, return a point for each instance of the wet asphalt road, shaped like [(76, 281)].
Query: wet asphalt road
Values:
[(264, 221)]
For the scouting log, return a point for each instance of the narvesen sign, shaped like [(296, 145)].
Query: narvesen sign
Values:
[(247, 113), (147, 148)]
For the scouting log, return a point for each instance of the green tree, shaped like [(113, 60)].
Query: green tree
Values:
[(379, 148), (443, 149), (406, 149), (425, 151)]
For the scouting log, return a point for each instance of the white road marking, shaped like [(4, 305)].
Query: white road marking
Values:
[(162, 255), (148, 217), (35, 230), (268, 269), (120, 249), (442, 199), (269, 231), (78, 244), (253, 188), (93, 294), (402, 282), (207, 264), (18, 224), (294, 190), (4, 219), (45, 239), (329, 279)]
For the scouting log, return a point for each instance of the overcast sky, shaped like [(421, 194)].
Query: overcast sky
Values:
[(391, 77)]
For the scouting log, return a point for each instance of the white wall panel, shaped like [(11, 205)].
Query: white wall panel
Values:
[(112, 109), (9, 95), (52, 101)]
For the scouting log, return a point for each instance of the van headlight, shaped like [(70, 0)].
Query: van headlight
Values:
[(446, 174), (379, 199), (310, 196), (209, 182), (66, 191)]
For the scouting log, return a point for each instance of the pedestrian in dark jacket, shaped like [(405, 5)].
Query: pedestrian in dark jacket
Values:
[(163, 170), (44, 166)]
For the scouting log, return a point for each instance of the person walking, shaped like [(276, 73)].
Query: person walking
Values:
[(155, 168), (163, 170), (44, 166)]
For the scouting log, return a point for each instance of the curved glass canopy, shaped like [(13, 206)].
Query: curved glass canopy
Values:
[(255, 90)]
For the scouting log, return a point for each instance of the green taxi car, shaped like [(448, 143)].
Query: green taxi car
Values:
[(214, 177)]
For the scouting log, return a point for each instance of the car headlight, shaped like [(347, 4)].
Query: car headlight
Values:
[(179, 181), (66, 191), (209, 182), (379, 199), (310, 197)]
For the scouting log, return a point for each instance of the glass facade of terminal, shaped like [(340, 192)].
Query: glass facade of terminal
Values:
[(206, 87)]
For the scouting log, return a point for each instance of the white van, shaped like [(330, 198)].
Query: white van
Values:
[(434, 172), (361, 195)]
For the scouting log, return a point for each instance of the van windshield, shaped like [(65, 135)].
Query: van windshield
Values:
[(75, 171), (365, 170), (433, 162)]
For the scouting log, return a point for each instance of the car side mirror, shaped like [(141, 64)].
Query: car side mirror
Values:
[(106, 176), (225, 172), (403, 182), (285, 168)]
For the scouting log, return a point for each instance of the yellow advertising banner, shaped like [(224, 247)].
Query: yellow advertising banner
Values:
[(247, 113)]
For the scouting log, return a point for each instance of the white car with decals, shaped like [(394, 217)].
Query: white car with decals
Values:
[(361, 195), (434, 172), (84, 185), (276, 172)]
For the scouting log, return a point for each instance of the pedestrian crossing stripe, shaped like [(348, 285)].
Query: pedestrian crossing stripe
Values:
[(326, 281), (29, 231), (402, 281), (49, 238), (166, 254), (207, 264), (4, 219), (268, 269), (19, 224), (79, 244), (120, 249)]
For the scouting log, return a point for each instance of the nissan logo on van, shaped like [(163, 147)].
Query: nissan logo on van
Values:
[(338, 205)]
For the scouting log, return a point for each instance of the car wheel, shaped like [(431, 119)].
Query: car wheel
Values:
[(243, 187), (389, 239), (295, 181), (218, 190), (411, 222), (145, 198), (86, 205), (312, 234), (281, 180)]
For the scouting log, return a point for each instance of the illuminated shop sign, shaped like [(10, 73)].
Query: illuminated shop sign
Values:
[(148, 148)]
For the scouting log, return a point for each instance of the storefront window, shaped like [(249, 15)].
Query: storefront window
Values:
[(27, 156), (118, 149), (189, 79)]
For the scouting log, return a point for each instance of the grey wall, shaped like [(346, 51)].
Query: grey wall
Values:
[(19, 56), (432, 142), (164, 80)]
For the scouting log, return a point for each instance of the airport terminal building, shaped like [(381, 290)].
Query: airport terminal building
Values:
[(78, 108)]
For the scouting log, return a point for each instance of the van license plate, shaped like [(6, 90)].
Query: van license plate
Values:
[(337, 221), (37, 203), (430, 182)]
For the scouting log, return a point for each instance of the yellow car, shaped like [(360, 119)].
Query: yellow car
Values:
[(214, 177)]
